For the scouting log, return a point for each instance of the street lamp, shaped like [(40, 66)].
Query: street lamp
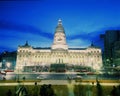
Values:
[(92, 63), (18, 73), (25, 68)]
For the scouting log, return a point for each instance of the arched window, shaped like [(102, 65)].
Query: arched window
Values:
[(97, 51)]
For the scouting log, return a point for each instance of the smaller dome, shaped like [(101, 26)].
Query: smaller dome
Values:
[(59, 28)]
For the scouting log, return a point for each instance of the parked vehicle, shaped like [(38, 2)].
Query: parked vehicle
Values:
[(41, 77)]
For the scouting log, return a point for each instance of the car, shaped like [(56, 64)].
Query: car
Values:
[(78, 77), (69, 77), (41, 77)]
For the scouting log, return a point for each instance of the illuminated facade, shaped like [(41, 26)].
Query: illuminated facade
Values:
[(59, 53)]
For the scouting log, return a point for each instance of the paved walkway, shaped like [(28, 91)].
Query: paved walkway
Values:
[(58, 82)]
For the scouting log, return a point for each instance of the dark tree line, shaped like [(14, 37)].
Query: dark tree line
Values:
[(115, 91), (46, 90)]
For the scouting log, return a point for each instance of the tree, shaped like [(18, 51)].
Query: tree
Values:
[(46, 90), (115, 91), (22, 91), (9, 93), (35, 90), (99, 89)]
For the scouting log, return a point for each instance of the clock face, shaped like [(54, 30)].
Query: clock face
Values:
[(59, 39)]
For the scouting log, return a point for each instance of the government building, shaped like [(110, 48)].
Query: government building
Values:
[(57, 57)]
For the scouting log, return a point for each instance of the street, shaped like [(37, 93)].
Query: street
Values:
[(55, 76)]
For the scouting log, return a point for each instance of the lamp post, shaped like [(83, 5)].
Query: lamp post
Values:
[(25, 67), (92, 63), (18, 74)]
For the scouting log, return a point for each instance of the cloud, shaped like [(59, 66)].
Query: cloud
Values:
[(84, 39), (92, 36), (8, 25), (76, 43)]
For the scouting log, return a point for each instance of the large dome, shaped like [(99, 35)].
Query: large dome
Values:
[(59, 37)]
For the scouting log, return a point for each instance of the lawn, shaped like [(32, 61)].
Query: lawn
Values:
[(61, 90)]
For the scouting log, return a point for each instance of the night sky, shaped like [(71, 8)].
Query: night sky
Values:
[(35, 21)]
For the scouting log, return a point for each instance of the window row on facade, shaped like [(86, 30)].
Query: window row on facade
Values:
[(48, 56)]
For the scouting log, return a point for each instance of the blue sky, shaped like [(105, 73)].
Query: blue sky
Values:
[(35, 21)]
